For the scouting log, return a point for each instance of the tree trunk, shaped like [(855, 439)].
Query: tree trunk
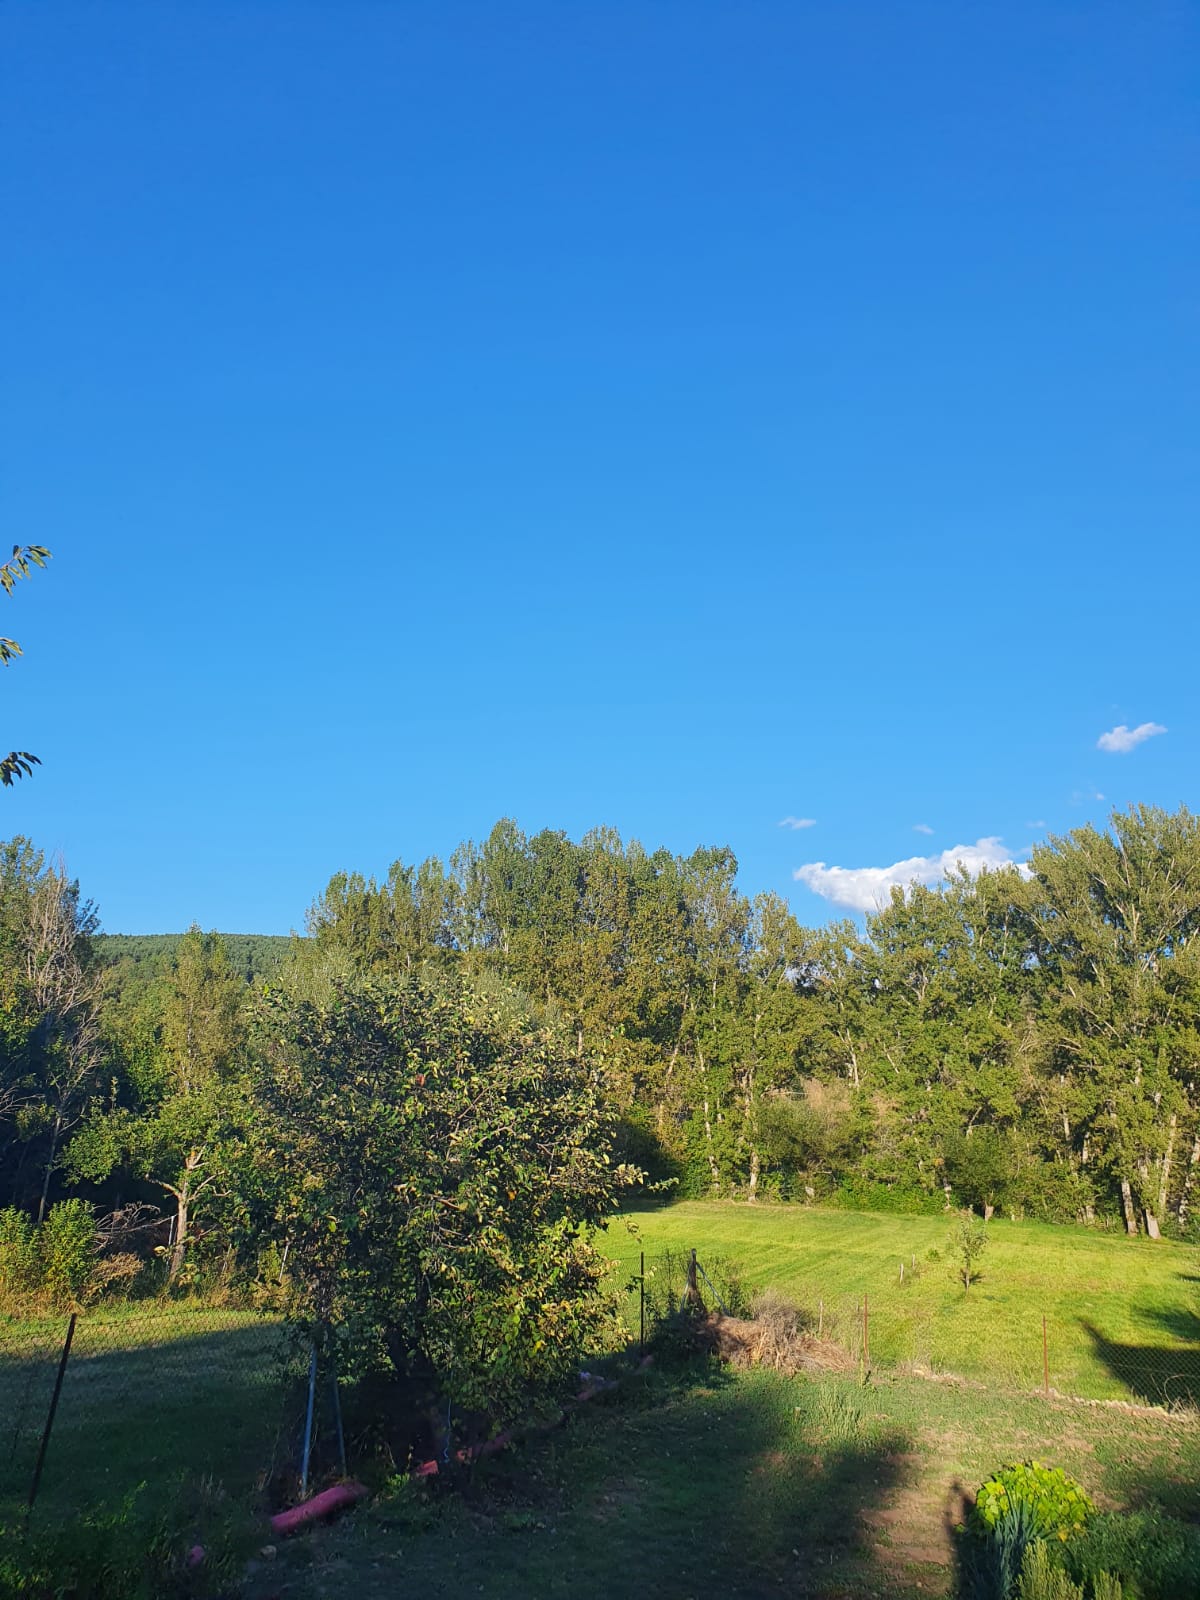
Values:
[(54, 1138), (989, 1211), (752, 1196), (1185, 1197), (854, 1078), (1164, 1173), (179, 1243), (1131, 1226), (712, 1157), (661, 1118), (1152, 1225)]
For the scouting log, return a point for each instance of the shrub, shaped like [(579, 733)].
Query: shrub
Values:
[(1059, 1507), (67, 1249), (126, 1552), (967, 1243), (439, 1165), (1043, 1579), (1156, 1555), (856, 1193), (18, 1258)]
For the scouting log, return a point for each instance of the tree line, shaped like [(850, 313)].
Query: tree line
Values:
[(1024, 1040)]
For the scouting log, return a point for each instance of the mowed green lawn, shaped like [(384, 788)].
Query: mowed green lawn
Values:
[(1122, 1315), (153, 1396)]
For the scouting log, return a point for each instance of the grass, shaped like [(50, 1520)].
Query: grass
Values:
[(719, 1483), (157, 1395), (743, 1485), (1121, 1314)]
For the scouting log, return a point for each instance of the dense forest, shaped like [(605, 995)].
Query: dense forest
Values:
[(253, 956), (1019, 1040)]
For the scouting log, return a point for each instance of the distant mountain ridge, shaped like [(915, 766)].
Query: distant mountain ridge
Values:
[(254, 955)]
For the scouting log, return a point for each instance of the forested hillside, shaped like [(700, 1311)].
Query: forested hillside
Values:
[(1020, 1041), (253, 956)]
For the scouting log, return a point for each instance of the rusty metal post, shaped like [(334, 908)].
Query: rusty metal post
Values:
[(1045, 1361)]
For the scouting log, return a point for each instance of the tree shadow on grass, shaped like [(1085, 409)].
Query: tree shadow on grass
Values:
[(1159, 1375), (745, 1487), (145, 1401)]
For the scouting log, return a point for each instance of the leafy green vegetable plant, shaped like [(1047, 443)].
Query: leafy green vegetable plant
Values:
[(1059, 1506)]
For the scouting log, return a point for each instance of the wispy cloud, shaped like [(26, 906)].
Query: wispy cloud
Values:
[(798, 822), (1040, 822), (922, 827), (1120, 740), (866, 888)]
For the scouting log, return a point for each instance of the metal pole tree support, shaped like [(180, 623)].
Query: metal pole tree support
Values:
[(58, 1383), (308, 1419)]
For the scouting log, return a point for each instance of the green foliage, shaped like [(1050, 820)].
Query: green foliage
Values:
[(993, 1562), (67, 1248), (142, 957), (435, 1165), (60, 1264), (1059, 1506), (18, 763), (979, 1165), (187, 1091), (968, 1241), (126, 1552), (18, 1258), (857, 1193), (1043, 1579), (1156, 1556)]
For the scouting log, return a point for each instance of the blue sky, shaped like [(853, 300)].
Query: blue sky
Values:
[(678, 416)]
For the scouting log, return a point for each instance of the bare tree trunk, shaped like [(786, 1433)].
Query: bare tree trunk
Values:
[(713, 1168), (752, 1196), (1152, 1225), (179, 1243), (989, 1211), (184, 1196), (853, 1054), (54, 1138), (1185, 1197), (712, 1157), (1164, 1173), (661, 1118), (1131, 1226)]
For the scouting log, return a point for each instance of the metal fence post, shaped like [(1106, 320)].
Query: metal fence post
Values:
[(1045, 1361), (58, 1383), (308, 1419)]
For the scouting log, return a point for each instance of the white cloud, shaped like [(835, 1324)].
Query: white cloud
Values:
[(1120, 740), (922, 827), (867, 888), (798, 822), (1040, 822)]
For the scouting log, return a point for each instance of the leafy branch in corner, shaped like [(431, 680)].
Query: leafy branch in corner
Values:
[(18, 763)]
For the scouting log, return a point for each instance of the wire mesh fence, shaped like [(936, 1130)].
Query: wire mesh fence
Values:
[(975, 1334), (144, 1398), (152, 1396)]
